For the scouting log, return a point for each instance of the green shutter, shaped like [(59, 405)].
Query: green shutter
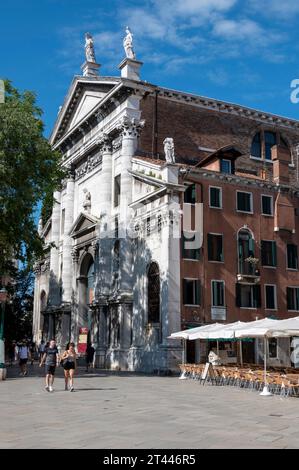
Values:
[(257, 296), (274, 254), (238, 295)]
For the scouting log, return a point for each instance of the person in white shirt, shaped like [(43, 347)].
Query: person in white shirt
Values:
[(23, 356)]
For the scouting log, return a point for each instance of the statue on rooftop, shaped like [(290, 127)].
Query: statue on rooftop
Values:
[(128, 44), (169, 150), (89, 48)]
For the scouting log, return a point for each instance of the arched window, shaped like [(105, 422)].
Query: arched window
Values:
[(90, 284), (270, 141), (87, 279), (153, 293), (256, 146), (262, 143), (245, 252), (43, 301)]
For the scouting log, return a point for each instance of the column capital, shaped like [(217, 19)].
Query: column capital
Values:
[(130, 127), (105, 142), (70, 176)]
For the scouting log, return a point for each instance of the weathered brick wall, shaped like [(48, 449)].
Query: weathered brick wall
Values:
[(192, 127)]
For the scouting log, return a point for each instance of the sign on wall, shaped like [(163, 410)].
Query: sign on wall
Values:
[(82, 341)]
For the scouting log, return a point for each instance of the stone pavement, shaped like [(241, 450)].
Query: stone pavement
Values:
[(129, 411)]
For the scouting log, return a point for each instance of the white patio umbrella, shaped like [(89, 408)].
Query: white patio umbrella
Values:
[(269, 328), (184, 335)]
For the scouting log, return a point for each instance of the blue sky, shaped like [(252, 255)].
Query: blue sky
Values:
[(245, 52)]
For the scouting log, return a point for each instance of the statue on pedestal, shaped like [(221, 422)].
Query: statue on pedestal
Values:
[(169, 150), (87, 201), (128, 44), (89, 48)]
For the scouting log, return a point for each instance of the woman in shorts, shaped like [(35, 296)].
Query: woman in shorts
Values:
[(69, 363)]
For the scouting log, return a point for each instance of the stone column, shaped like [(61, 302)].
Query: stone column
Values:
[(54, 296), (102, 338), (106, 176), (130, 129), (103, 277), (67, 240)]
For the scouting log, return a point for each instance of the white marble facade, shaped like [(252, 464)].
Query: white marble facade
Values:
[(97, 275)]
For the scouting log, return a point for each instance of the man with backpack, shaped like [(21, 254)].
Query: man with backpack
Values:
[(23, 356)]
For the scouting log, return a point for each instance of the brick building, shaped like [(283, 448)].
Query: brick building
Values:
[(131, 292)]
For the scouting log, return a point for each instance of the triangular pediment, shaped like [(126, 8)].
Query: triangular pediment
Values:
[(84, 94), (83, 223), (89, 100)]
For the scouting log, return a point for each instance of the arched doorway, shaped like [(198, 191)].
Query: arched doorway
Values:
[(86, 292)]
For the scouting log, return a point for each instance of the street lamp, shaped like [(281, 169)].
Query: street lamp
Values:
[(3, 293)]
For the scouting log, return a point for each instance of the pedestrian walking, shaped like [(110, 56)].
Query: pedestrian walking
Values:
[(41, 350), (23, 356), (89, 356), (51, 359), (69, 363)]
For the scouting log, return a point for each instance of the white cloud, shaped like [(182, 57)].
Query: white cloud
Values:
[(240, 30), (281, 9)]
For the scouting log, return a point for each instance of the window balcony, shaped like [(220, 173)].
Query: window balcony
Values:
[(248, 272)]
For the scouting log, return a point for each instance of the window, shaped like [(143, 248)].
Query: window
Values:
[(263, 142), (270, 141), (226, 167), (256, 146), (268, 252), (245, 251), (90, 284), (248, 296), (292, 253), (273, 348), (293, 298), (62, 221), (267, 205), (117, 191), (190, 253), (190, 194), (153, 293), (244, 202), (215, 197), (218, 289), (191, 294), (270, 297), (215, 247)]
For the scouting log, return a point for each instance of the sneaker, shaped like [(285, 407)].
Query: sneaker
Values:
[(51, 389), (66, 388), (47, 388), (25, 373), (72, 389)]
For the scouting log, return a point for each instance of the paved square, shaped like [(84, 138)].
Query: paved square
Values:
[(122, 410)]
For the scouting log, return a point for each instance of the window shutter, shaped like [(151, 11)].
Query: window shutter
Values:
[(238, 295), (209, 247), (274, 254), (258, 297), (184, 291), (263, 253), (251, 247)]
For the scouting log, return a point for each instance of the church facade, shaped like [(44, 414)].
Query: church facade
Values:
[(134, 152)]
